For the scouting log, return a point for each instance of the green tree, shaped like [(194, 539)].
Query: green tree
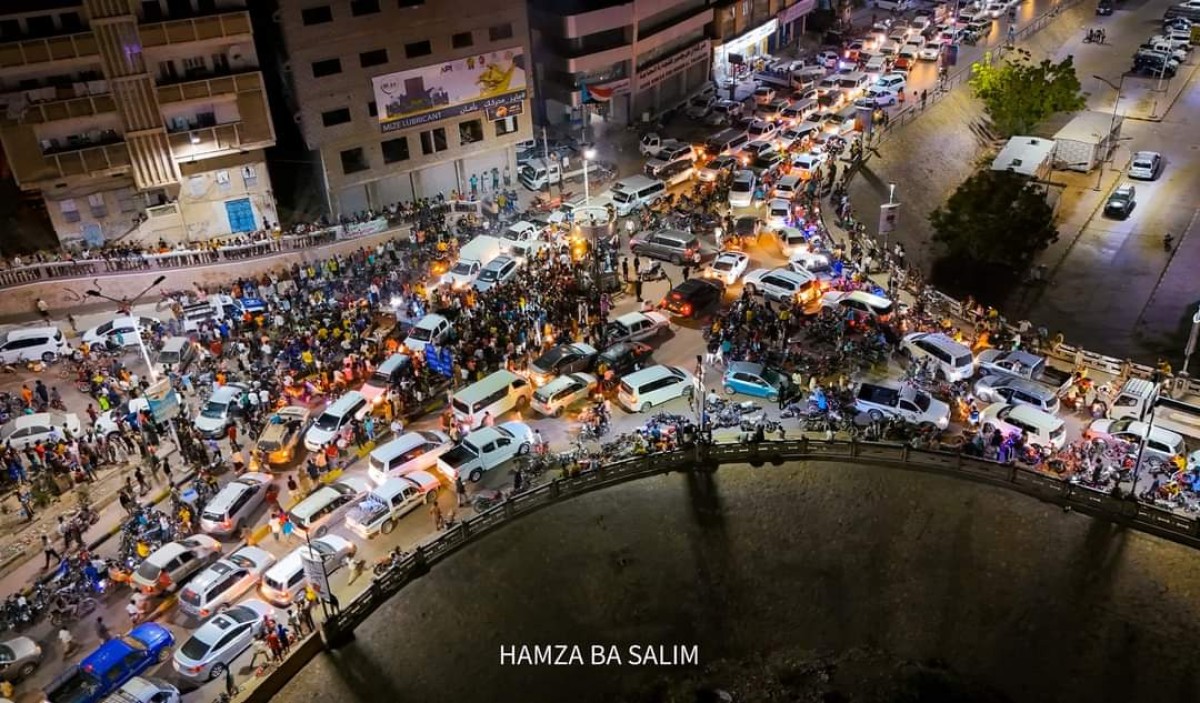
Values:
[(989, 231), (1018, 93)]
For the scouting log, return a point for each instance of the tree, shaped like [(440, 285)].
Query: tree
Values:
[(989, 231), (1018, 94)]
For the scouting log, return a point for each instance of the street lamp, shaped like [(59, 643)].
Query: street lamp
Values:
[(588, 155), (1112, 123)]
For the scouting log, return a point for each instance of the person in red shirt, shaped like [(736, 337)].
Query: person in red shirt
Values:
[(231, 432)]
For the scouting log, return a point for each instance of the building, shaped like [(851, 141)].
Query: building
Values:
[(403, 99), (136, 121), (743, 29), (1028, 156)]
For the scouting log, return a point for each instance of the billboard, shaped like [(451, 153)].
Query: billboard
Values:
[(492, 81)]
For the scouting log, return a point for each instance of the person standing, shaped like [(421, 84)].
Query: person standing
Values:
[(50, 552), (460, 490), (102, 630)]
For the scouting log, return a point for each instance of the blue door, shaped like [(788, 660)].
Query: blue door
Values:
[(241, 215)]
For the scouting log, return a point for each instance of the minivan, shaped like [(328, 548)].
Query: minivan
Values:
[(284, 581), (326, 506), (654, 385), (951, 360), (385, 376), (805, 78), (220, 409), (854, 83), (176, 355), (671, 245), (671, 172), (233, 505), (412, 451), (338, 416), (634, 193), (726, 142), (32, 343), (1039, 428), (493, 396)]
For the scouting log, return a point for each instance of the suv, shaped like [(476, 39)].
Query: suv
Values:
[(622, 358), (224, 581), (671, 245), (174, 562), (670, 172), (780, 285), (498, 271), (951, 360), (694, 297)]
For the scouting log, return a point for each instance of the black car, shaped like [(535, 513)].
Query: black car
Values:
[(564, 358), (622, 358), (694, 297), (1121, 202), (1153, 64), (1104, 7)]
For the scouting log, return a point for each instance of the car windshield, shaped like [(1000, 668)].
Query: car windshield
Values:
[(488, 275), (1119, 426), (328, 422), (922, 401), (621, 196), (551, 357), (1142, 164), (462, 268), (723, 265), (421, 334), (214, 410), (740, 186), (190, 597)]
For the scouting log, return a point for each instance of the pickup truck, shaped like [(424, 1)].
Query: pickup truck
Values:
[(380, 510), (1022, 364), (112, 664), (484, 449), (536, 174), (908, 404)]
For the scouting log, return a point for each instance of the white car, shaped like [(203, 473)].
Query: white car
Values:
[(431, 329), (780, 285), (224, 581), (412, 451), (1161, 443), (636, 326), (107, 421), (811, 261), (500, 270), (791, 137), (762, 130), (788, 187), (213, 647), (381, 509), (930, 52), (325, 506), (892, 81), (860, 302), (741, 190), (27, 430), (948, 358), (791, 241), (1145, 165), (486, 448), (877, 97), (779, 213), (119, 330), (728, 267), (713, 169), (805, 165), (763, 94), (556, 396)]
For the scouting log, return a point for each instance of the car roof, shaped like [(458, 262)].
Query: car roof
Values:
[(430, 321), (746, 367)]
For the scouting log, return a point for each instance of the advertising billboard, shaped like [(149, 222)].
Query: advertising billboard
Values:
[(492, 81)]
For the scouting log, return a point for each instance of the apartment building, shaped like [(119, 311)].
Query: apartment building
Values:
[(743, 29), (136, 120), (404, 99)]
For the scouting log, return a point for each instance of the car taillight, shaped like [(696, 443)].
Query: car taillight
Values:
[(196, 669), (204, 612), (686, 309)]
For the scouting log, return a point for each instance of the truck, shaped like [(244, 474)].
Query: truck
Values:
[(484, 449), (536, 174), (904, 402), (380, 510), (651, 144), (1022, 364), (1139, 398), (473, 256), (520, 232)]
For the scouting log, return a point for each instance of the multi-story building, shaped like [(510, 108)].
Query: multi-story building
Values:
[(136, 120), (641, 56), (405, 99), (743, 29)]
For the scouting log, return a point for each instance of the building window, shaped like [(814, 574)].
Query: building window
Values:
[(470, 132), (70, 22), (97, 206), (745, 9), (317, 15), (70, 211), (410, 3), (335, 117), (508, 125), (328, 67), (462, 40), (376, 57), (500, 32), (249, 176), (395, 150), (433, 141), (126, 201), (363, 7), (354, 160), (372, 109), (417, 48)]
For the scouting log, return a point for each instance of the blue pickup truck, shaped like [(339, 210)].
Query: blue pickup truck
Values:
[(112, 664)]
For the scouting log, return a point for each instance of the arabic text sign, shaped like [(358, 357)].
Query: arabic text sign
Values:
[(452, 88)]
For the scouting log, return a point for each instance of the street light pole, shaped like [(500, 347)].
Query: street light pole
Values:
[(588, 155), (1112, 123)]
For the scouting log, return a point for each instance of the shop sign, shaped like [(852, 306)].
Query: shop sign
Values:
[(673, 64), (505, 111), (362, 229), (795, 12)]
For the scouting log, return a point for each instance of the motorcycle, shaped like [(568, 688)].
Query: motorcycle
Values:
[(486, 500), (652, 272)]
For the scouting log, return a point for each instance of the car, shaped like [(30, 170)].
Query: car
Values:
[(1145, 165), (790, 240), (723, 112), (812, 261), (636, 326), (276, 444), (224, 581), (950, 360), (754, 379), (699, 106), (380, 510), (1164, 48), (713, 170), (326, 505), (557, 395), (747, 229), (282, 583), (622, 358), (782, 285), (752, 150), (232, 507), (741, 190), (828, 58), (774, 110), (930, 52), (431, 329), (779, 213), (788, 187), (762, 130), (694, 298), (877, 97), (499, 270), (173, 563), (998, 388), (119, 331), (561, 359), (1160, 442), (20, 344), (220, 410), (764, 94), (485, 449), (1037, 428), (145, 690), (767, 163), (806, 165), (1178, 24), (1154, 64), (1023, 364), (667, 244), (792, 137), (860, 303), (214, 646), (1121, 202), (111, 664), (27, 430), (727, 267), (19, 658)]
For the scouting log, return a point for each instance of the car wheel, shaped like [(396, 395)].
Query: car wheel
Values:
[(875, 415), (677, 259), (475, 476), (773, 397), (523, 449), (322, 531), (729, 390), (48, 357), (164, 654), (26, 670), (216, 672), (644, 407), (389, 525)]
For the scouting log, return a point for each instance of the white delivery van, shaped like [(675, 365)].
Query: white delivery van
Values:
[(473, 256)]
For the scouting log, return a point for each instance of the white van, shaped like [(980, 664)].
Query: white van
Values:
[(412, 451), (352, 406), (493, 396), (654, 385), (197, 314), (632, 194), (1040, 428), (176, 355), (284, 582), (853, 84), (386, 375), (431, 329), (951, 360), (472, 257), (324, 507), (32, 343)]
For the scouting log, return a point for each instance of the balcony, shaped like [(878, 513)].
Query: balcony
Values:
[(207, 88), (79, 142), (70, 47), (91, 160), (208, 141), (86, 106), (675, 27), (227, 25)]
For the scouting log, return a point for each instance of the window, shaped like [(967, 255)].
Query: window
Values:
[(97, 206), (354, 160), (70, 211), (317, 15), (500, 32), (328, 67), (470, 132), (335, 117), (433, 141), (249, 176), (508, 125), (372, 109), (70, 22), (10, 29), (418, 48), (126, 201), (410, 3), (363, 7), (368, 59), (395, 150), (462, 40)]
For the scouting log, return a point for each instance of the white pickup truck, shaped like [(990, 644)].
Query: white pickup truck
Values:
[(485, 449), (380, 510), (908, 404)]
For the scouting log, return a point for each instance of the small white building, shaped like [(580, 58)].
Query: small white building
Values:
[(1028, 156), (1086, 141)]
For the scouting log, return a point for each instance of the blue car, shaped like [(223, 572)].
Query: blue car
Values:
[(112, 664), (750, 378)]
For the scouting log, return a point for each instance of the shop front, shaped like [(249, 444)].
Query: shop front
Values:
[(733, 58)]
